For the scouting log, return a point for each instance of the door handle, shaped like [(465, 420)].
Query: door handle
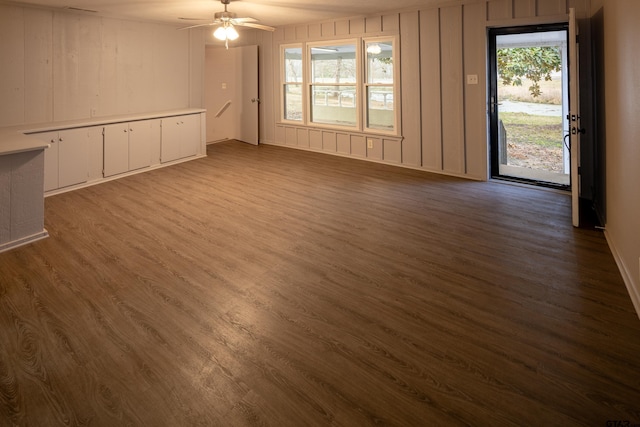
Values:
[(255, 100)]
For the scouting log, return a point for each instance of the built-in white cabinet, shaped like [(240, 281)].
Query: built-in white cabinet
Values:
[(181, 136), (130, 146), (66, 161), (86, 153)]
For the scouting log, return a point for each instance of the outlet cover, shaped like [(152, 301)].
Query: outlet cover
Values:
[(472, 79), (369, 143)]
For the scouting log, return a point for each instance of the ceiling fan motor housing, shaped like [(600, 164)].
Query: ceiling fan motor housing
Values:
[(225, 16)]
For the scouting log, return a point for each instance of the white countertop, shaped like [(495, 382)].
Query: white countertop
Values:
[(15, 139)]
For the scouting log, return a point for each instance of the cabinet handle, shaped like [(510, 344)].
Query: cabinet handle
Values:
[(53, 140), (60, 139), (125, 131)]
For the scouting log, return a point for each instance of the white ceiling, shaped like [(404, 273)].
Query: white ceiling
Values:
[(274, 13)]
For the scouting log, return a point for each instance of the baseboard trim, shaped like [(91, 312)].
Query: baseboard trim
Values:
[(627, 277), (380, 162), (24, 241)]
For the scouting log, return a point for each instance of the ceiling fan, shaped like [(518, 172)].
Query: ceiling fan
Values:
[(226, 21)]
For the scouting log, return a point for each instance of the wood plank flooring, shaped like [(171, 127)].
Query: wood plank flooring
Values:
[(275, 287)]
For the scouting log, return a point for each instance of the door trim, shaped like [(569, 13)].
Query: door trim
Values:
[(492, 80)]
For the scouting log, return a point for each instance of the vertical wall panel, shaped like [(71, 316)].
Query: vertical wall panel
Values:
[(38, 68), (475, 125), (289, 33), (302, 32), (391, 23), (278, 34), (356, 26), (328, 29), (12, 73), (108, 96), (280, 135), (76, 69), (431, 96), (453, 123), (171, 67), (343, 143), (342, 28), (410, 77), (315, 31), (552, 7), (524, 8), (392, 151), (499, 10), (315, 139), (197, 67), (290, 136), (329, 141), (373, 24), (303, 138), (358, 146), (268, 72)]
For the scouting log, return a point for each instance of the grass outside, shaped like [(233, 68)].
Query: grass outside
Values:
[(551, 92), (534, 141)]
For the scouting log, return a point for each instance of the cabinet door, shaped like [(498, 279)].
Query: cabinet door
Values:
[(73, 162), (50, 159), (170, 148), (116, 149), (190, 135), (141, 137)]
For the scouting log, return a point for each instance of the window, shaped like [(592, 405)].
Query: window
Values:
[(292, 83), (342, 83), (333, 85), (379, 87)]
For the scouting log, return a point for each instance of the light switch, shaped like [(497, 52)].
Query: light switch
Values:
[(472, 79), (224, 85)]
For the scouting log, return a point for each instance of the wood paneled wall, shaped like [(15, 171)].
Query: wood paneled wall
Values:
[(59, 66), (444, 126)]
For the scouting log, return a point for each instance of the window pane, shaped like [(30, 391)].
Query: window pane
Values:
[(380, 107), (380, 62), (293, 64), (334, 64), (333, 105), (293, 102)]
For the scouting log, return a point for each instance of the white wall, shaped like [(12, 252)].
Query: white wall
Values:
[(59, 66), (622, 106)]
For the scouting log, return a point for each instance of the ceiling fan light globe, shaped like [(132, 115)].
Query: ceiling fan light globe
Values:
[(231, 33), (220, 33)]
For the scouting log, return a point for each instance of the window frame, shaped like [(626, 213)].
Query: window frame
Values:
[(361, 85), (310, 84), (284, 83), (394, 85)]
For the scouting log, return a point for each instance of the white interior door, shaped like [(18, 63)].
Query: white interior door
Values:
[(248, 98), (574, 118)]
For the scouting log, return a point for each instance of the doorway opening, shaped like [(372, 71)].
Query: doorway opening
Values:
[(529, 93)]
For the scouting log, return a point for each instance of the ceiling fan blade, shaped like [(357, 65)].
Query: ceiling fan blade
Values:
[(247, 19), (257, 26), (198, 25)]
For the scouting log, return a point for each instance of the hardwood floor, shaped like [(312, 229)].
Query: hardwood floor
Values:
[(269, 286)]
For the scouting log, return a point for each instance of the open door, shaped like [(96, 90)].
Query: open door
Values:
[(574, 128), (231, 94), (248, 99)]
